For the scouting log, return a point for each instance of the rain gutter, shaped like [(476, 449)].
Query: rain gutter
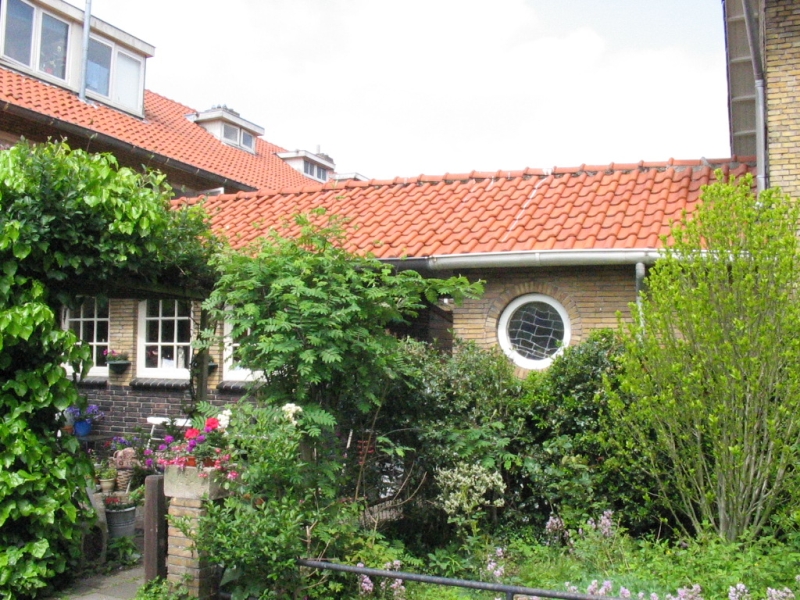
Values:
[(528, 258), (762, 179), (117, 144)]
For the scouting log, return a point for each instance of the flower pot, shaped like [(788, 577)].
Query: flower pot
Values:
[(82, 428), (107, 485), (193, 483), (118, 366), (121, 522)]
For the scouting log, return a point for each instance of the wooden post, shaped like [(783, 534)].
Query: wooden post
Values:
[(155, 528)]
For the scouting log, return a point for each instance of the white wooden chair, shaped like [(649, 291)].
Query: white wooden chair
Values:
[(156, 421)]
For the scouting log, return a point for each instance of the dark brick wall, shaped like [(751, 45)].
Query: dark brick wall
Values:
[(127, 408)]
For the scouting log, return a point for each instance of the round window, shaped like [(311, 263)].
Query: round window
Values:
[(533, 329)]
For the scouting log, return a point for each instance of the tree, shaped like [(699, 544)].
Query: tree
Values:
[(313, 317), (71, 223), (712, 360)]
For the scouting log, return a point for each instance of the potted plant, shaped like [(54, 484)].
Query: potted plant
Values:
[(108, 479), (83, 418), (121, 513), (117, 361)]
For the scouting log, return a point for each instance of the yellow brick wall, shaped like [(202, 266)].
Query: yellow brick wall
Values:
[(592, 297), (782, 52)]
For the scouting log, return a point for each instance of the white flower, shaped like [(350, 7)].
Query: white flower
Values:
[(290, 410), (224, 418)]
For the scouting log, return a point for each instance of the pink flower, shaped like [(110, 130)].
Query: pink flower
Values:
[(212, 423), (191, 433)]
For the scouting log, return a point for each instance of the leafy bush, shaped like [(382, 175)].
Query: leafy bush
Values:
[(71, 222), (712, 361)]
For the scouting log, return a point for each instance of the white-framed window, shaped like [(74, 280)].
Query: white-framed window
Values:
[(164, 339), (231, 370), (35, 38), (90, 323), (236, 136), (533, 329), (315, 171), (114, 74)]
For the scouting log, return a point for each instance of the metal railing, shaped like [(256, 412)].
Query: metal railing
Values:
[(509, 590)]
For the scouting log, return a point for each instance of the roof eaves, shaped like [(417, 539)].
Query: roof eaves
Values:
[(114, 142)]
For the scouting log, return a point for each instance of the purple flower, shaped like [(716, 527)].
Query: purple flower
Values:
[(162, 447), (148, 463), (168, 439)]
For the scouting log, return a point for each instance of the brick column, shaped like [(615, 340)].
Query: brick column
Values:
[(189, 495), (184, 564)]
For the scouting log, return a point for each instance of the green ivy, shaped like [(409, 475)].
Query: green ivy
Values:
[(71, 223)]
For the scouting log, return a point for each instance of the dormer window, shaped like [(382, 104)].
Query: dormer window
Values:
[(42, 38), (226, 125), (316, 166), (30, 32), (114, 74)]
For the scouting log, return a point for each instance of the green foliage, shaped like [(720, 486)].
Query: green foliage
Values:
[(575, 462), (712, 361), (313, 317), (161, 589), (122, 552), (281, 507), (69, 220)]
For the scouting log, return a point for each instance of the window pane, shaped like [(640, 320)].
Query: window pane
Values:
[(308, 167), (168, 331), (98, 71), (184, 332), (102, 311), (151, 357), (152, 308), (230, 133), (183, 358), (88, 331), (322, 174), (152, 332), (102, 331), (127, 81), (75, 326), (53, 51), (536, 330), (183, 308), (167, 308), (100, 356), (248, 141), (19, 31)]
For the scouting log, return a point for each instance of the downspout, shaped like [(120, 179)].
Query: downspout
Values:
[(87, 23), (640, 273), (762, 180)]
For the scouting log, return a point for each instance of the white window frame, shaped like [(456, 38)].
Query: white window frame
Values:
[(116, 50), (506, 344), (36, 42), (141, 345), (67, 317), (229, 373)]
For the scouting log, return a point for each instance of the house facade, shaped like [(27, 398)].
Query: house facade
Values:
[(561, 252)]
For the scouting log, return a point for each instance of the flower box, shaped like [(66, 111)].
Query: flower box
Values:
[(193, 483)]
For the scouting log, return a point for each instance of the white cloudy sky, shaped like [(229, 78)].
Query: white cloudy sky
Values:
[(404, 87)]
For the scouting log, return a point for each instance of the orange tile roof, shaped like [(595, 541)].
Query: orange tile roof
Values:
[(164, 131), (613, 207)]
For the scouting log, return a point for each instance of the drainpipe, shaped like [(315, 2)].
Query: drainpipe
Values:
[(762, 180), (640, 272), (87, 23)]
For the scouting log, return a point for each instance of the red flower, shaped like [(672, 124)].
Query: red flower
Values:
[(212, 423), (191, 433)]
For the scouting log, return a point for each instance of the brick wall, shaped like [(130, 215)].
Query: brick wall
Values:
[(592, 297), (782, 52)]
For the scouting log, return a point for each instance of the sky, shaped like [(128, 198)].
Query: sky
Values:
[(403, 88)]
